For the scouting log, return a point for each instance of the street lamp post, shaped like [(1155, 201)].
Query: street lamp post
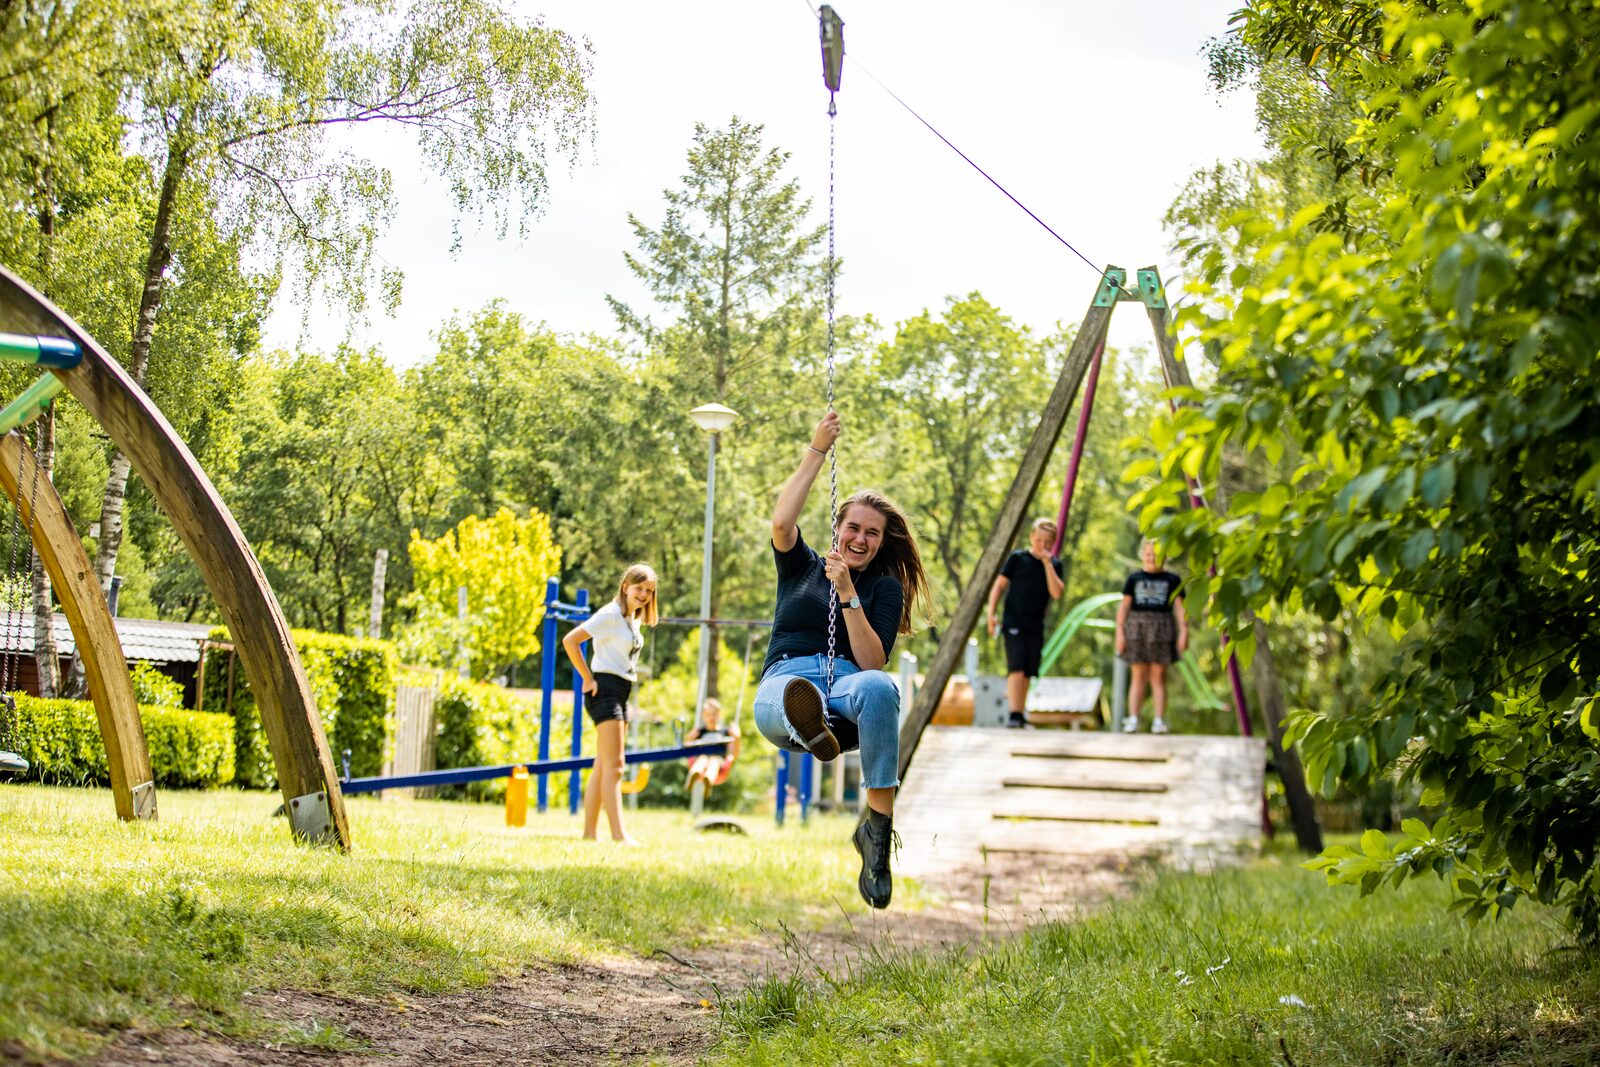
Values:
[(713, 419)]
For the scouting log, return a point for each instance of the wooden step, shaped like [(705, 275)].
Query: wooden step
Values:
[(1109, 757), (1086, 784), (1085, 814), (972, 791)]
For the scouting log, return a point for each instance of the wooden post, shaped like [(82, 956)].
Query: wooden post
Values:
[(306, 771), (200, 678), (1269, 694), (380, 567), (93, 629), (1012, 514)]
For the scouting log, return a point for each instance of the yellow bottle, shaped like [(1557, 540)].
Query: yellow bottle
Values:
[(517, 797)]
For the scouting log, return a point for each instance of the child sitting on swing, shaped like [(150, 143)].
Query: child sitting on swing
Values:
[(710, 767)]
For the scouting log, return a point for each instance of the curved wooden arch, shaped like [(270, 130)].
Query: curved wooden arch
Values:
[(229, 568), (84, 605)]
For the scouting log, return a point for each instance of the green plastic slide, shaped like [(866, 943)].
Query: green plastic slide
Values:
[(1077, 617)]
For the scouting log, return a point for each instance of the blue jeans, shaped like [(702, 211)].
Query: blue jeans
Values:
[(867, 702)]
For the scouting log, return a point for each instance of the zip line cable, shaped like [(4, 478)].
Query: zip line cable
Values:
[(974, 165), (970, 161)]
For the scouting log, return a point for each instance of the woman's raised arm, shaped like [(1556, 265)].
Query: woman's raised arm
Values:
[(792, 497)]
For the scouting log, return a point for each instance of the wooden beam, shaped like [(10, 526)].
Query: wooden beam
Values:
[(1009, 523), (305, 766), (94, 631)]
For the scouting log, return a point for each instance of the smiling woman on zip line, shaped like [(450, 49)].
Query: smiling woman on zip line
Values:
[(823, 689)]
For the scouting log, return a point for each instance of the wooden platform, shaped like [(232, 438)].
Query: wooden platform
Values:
[(1187, 799)]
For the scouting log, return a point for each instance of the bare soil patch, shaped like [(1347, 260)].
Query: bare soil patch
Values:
[(659, 1008)]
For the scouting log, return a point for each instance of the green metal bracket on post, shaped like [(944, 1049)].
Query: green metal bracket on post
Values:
[(33, 402), (1150, 290), (41, 351), (1111, 287)]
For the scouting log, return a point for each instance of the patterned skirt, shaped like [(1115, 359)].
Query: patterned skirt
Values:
[(1152, 637)]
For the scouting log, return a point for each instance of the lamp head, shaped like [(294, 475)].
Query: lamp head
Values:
[(713, 418)]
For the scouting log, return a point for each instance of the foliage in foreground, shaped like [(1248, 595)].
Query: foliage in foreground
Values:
[(1258, 966), (109, 925), (1424, 348)]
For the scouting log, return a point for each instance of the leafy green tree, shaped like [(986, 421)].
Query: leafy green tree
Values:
[(1433, 366), (328, 429), (964, 392), (503, 562), (233, 107)]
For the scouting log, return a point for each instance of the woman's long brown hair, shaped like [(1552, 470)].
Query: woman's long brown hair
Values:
[(897, 556)]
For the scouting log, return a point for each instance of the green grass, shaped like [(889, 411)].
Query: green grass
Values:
[(105, 925), (1265, 965)]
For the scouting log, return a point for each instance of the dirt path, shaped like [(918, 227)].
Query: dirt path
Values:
[(662, 1007)]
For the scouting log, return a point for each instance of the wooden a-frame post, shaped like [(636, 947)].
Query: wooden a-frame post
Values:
[(1091, 335), (256, 623), (1012, 515), (94, 631)]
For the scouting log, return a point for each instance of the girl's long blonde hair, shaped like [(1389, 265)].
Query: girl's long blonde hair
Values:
[(639, 572)]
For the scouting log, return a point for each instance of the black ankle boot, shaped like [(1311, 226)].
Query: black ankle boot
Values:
[(875, 839), (1018, 720)]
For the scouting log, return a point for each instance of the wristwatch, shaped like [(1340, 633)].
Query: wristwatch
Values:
[(855, 602)]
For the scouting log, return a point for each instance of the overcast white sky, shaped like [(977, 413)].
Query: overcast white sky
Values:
[(1093, 114)]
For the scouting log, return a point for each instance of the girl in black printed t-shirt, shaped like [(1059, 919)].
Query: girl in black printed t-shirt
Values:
[(873, 575), (1151, 633)]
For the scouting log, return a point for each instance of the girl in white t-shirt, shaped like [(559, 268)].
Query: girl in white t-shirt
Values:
[(608, 680)]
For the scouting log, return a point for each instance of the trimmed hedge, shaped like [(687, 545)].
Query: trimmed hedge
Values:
[(61, 740), (482, 725), (352, 680)]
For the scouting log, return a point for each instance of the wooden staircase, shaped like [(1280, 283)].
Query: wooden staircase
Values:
[(1187, 799)]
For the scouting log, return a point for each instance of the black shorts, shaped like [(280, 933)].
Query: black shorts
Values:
[(1024, 647), (610, 704)]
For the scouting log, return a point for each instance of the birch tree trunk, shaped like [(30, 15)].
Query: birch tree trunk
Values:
[(144, 333), (46, 656)]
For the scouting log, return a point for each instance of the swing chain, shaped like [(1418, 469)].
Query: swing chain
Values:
[(833, 449), (11, 569), (33, 501)]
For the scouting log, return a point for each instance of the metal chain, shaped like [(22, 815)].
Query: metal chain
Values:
[(33, 501), (11, 655), (833, 449)]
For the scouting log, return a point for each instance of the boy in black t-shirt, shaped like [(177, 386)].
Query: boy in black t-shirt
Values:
[(1030, 579)]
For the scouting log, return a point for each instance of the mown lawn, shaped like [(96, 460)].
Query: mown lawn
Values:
[(1262, 965), (106, 925)]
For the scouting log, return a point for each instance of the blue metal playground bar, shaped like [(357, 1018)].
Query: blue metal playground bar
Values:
[(41, 351), (463, 775)]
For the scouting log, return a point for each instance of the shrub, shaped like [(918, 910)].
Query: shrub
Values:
[(61, 741), (483, 725), (352, 680), (189, 748), (151, 688)]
